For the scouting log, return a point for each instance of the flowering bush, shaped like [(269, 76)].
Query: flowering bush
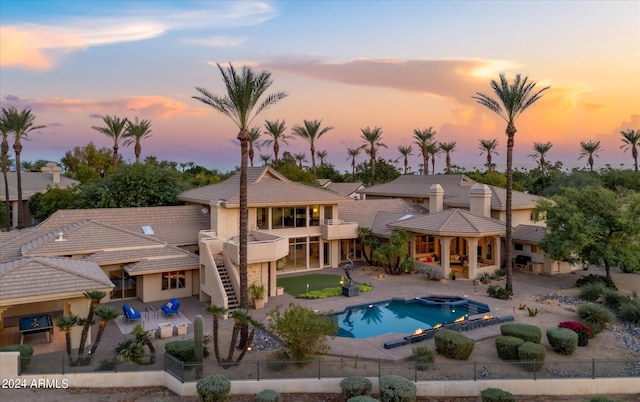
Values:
[(583, 331)]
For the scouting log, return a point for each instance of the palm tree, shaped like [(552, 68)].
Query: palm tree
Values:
[(300, 158), (322, 155), (4, 131), (254, 139), (311, 132), (448, 148), (423, 139), (353, 154), (540, 150), (513, 99), (241, 319), (275, 130), (242, 103), (372, 139), (631, 139), (433, 149), (217, 312), (405, 152), (136, 132), (94, 297), (106, 314), (64, 324), (265, 159), (20, 123), (116, 130), (489, 147), (589, 149)]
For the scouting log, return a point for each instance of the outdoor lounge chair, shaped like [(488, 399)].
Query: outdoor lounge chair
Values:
[(171, 308), (130, 313)]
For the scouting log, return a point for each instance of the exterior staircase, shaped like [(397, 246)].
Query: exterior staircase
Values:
[(232, 298)]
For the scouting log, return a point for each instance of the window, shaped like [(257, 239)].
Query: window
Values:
[(262, 218), (276, 218), (314, 215), (173, 280), (517, 246), (418, 200), (535, 249), (425, 244), (288, 217)]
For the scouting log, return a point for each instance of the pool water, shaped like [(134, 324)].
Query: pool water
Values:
[(402, 316)]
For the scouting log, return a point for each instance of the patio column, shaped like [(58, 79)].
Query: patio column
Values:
[(80, 307), (445, 243), (2, 310), (472, 243)]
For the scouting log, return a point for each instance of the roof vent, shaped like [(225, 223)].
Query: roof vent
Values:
[(405, 217), (61, 237)]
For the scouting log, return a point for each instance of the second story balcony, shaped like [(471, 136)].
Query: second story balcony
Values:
[(335, 229), (261, 247)]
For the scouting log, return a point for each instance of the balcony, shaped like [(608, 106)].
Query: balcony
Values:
[(261, 247), (335, 229)]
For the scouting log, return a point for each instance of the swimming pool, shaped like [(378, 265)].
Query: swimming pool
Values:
[(403, 316)]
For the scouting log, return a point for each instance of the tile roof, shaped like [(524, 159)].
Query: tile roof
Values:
[(453, 222), (528, 233), (32, 183), (42, 276), (185, 262), (132, 255), (345, 189), (363, 212), (265, 187), (380, 225)]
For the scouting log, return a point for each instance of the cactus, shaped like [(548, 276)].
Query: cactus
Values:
[(198, 340)]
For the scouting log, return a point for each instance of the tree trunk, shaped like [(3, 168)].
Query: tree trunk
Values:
[(17, 147), (634, 153), (313, 160), (216, 347), (94, 347), (115, 157), (5, 168), (138, 151), (276, 149), (425, 162), (511, 131), (67, 336), (433, 164), (373, 166), (85, 330), (243, 137), (251, 155), (591, 163)]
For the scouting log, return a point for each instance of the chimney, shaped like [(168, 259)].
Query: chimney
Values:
[(51, 167), (436, 195), (480, 200)]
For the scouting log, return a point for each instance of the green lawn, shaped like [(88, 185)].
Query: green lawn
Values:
[(294, 285)]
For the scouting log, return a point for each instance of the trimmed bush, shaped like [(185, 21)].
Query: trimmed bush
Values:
[(562, 340), (26, 351), (453, 344), (496, 395), (591, 278), (595, 316), (630, 311), (583, 331), (355, 386), (183, 350), (526, 332), (498, 292), (533, 354), (362, 398), (507, 347), (214, 388), (591, 291), (394, 388), (423, 356), (268, 395)]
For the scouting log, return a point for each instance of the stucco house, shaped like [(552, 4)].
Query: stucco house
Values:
[(32, 183)]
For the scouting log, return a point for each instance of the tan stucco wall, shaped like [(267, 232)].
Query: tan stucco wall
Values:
[(153, 288), (34, 308)]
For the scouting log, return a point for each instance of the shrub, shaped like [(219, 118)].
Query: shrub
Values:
[(613, 300), (533, 353), (602, 398), (591, 278), (362, 398), (583, 331), (181, 350), (498, 292), (423, 356), (591, 291), (496, 395), (26, 351), (526, 332), (453, 344), (507, 347), (268, 395), (595, 316), (394, 388), (630, 311), (214, 388), (355, 386), (562, 340)]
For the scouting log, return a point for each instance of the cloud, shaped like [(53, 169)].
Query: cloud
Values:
[(144, 106), (55, 125), (38, 46), (215, 41)]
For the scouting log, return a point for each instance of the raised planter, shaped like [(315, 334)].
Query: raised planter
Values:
[(279, 291), (182, 329), (165, 329)]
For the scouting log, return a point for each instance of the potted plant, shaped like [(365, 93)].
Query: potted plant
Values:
[(452, 275), (258, 293)]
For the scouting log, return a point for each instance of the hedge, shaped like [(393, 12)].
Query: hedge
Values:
[(526, 332), (268, 395), (26, 351), (533, 354), (496, 395), (214, 388), (453, 344), (394, 388), (362, 398), (562, 340), (507, 347), (355, 386)]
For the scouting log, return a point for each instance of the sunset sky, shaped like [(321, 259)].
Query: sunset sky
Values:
[(398, 65)]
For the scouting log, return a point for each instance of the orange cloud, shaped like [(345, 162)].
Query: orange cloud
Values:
[(26, 48)]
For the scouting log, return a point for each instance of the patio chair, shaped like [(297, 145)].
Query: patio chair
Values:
[(171, 308), (130, 313)]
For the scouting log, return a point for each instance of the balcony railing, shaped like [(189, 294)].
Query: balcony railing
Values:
[(334, 229)]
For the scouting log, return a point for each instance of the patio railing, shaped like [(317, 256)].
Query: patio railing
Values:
[(337, 368)]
